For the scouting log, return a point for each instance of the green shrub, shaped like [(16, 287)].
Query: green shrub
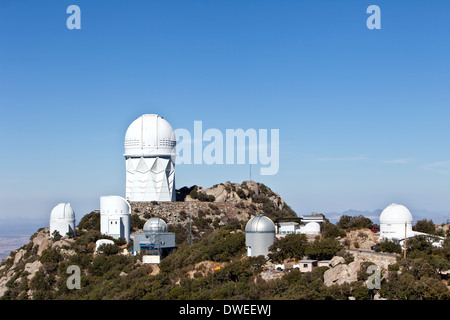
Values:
[(90, 221)]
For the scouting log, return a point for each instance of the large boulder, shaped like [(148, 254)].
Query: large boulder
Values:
[(42, 240), (336, 260), (341, 273), (32, 268)]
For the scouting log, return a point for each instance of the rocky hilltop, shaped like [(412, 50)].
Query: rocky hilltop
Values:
[(220, 205), (210, 262), (31, 269)]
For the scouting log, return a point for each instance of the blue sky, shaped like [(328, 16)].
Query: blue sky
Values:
[(363, 114)]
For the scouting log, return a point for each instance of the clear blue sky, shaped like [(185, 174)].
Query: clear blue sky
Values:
[(364, 115)]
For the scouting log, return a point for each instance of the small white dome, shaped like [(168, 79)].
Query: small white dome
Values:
[(155, 225), (260, 224), (311, 228), (101, 242), (150, 135), (62, 211), (396, 213)]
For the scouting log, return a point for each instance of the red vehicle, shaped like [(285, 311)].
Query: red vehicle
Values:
[(375, 230)]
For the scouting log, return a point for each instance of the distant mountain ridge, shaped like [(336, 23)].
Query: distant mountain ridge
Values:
[(418, 214)]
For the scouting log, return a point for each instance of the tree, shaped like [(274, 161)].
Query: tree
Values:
[(136, 222), (360, 291), (388, 246), (425, 226), (357, 222), (90, 221), (344, 222), (109, 249), (419, 243), (329, 230), (323, 249), (291, 246), (56, 236)]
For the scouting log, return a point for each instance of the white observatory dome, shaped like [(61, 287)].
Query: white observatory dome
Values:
[(260, 224), (311, 228), (113, 205), (396, 222), (62, 211), (62, 219), (259, 235), (155, 225), (150, 135), (396, 213), (115, 214)]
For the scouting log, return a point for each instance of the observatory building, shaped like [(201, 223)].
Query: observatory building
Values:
[(62, 219), (115, 215), (259, 235), (150, 151), (311, 227), (309, 224), (155, 242), (396, 222), (396, 225), (101, 242)]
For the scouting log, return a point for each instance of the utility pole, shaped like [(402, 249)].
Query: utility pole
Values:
[(404, 254)]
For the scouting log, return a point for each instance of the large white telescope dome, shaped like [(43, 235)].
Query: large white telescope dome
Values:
[(150, 135), (396, 213), (396, 222)]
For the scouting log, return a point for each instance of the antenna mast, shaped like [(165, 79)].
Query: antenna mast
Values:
[(190, 225)]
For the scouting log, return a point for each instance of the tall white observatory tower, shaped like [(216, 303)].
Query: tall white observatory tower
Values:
[(150, 151)]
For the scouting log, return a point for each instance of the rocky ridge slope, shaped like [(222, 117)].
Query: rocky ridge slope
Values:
[(230, 203)]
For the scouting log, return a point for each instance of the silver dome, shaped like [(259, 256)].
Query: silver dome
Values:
[(260, 224), (155, 225)]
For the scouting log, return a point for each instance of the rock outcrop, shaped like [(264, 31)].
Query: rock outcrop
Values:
[(26, 260), (223, 203), (341, 272)]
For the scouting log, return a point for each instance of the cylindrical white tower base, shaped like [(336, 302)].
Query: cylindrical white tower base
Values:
[(150, 179)]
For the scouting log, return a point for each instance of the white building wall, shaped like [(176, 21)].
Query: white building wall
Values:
[(63, 226), (390, 230), (258, 243), (115, 214), (150, 179)]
